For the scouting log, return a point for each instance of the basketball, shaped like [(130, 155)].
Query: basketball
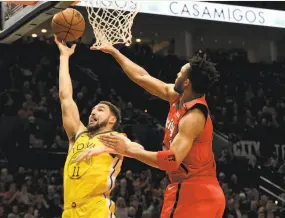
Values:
[(68, 25)]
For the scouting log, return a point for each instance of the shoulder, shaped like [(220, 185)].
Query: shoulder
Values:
[(193, 121), (194, 115), (199, 106), (81, 131)]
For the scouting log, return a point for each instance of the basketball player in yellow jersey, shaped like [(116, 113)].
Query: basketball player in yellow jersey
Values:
[(87, 184)]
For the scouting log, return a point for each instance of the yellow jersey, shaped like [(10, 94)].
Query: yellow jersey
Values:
[(92, 178)]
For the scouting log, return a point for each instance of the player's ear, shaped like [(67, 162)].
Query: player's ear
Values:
[(112, 120), (186, 82)]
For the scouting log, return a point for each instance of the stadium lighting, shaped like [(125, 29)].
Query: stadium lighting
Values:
[(128, 44), (138, 40), (34, 35), (44, 30)]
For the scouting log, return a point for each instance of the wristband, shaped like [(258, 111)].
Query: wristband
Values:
[(166, 160)]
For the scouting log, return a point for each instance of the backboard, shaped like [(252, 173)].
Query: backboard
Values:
[(18, 19)]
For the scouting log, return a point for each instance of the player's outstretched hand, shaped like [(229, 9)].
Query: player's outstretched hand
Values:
[(88, 153), (92, 152), (108, 48), (64, 50), (118, 142)]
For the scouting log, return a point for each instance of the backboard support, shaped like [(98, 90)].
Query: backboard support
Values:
[(18, 19)]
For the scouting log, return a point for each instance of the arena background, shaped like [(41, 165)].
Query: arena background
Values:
[(247, 106)]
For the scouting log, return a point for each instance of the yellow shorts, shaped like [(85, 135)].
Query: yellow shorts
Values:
[(95, 207)]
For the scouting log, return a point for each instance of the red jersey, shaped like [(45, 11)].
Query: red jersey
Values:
[(200, 160)]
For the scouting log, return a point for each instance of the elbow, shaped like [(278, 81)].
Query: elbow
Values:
[(177, 160), (140, 74), (64, 94), (141, 78), (66, 103), (170, 168), (141, 147), (143, 73), (61, 94), (176, 165)]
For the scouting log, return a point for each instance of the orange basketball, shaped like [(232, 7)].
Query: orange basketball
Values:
[(68, 25)]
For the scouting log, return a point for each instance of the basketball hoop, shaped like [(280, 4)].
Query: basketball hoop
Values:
[(112, 20), (13, 7)]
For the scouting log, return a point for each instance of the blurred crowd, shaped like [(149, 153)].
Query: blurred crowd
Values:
[(249, 99), (244, 105)]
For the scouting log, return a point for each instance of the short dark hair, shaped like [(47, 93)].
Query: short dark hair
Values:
[(202, 73), (115, 111)]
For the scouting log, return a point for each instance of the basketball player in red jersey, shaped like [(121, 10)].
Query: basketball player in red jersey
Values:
[(187, 156)]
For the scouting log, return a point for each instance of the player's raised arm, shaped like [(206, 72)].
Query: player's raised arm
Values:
[(141, 77), (70, 113)]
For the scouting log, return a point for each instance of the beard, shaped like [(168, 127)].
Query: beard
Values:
[(97, 126), (178, 87)]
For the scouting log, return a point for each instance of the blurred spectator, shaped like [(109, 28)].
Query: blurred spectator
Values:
[(121, 208)]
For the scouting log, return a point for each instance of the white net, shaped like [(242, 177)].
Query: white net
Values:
[(111, 20)]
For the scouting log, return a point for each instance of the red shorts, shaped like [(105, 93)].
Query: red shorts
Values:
[(200, 197)]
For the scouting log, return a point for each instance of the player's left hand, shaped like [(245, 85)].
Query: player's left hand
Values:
[(118, 142)]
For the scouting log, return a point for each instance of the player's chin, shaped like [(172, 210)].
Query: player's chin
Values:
[(92, 126), (178, 89)]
